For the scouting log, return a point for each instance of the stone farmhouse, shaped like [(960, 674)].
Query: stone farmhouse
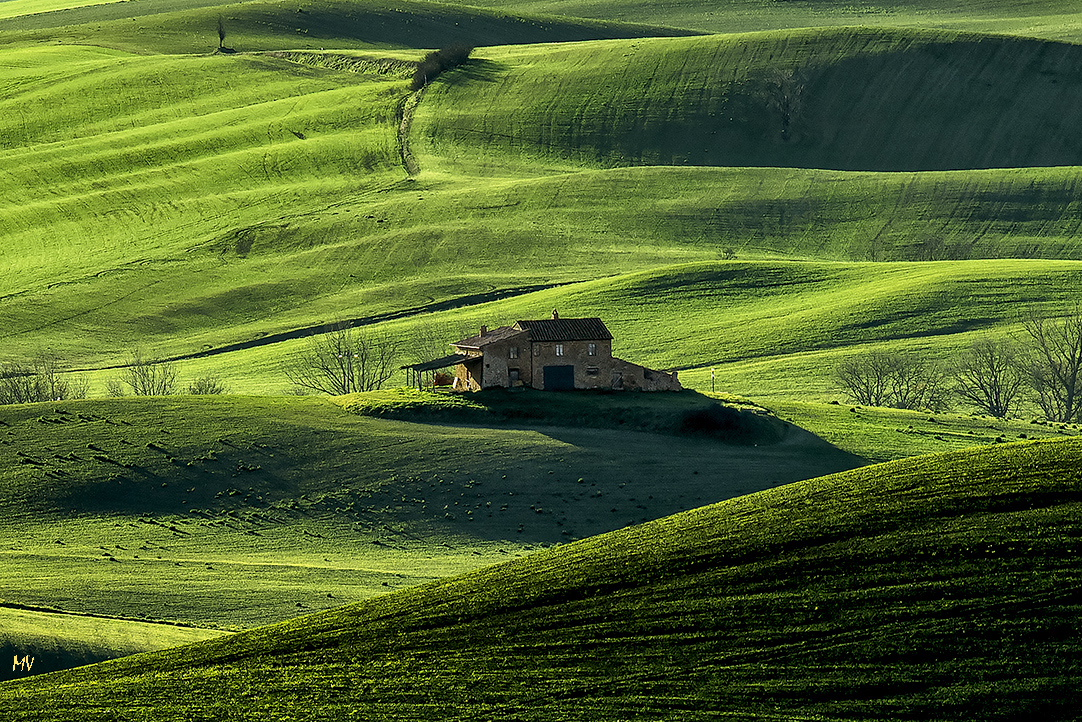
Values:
[(556, 354)]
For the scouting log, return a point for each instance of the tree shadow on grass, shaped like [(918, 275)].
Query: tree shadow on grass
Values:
[(474, 70)]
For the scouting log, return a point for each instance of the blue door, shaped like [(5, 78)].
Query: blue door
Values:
[(559, 378)]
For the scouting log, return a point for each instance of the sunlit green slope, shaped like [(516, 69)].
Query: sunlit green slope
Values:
[(236, 197), (942, 587), (55, 640), (191, 26), (185, 203), (721, 312), (853, 99)]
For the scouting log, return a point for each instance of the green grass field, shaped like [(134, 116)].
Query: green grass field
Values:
[(235, 198), (1054, 19), (899, 176), (56, 641), (878, 593), (860, 99), (234, 512)]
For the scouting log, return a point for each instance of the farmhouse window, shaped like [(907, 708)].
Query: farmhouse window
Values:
[(559, 349), (591, 370), (592, 349), (512, 352)]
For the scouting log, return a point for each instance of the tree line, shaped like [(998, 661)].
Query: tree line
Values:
[(996, 375), (438, 61), (42, 379), (343, 359)]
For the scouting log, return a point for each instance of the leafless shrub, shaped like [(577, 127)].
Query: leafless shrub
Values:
[(17, 384), (40, 380), (115, 387), (207, 385), (146, 377)]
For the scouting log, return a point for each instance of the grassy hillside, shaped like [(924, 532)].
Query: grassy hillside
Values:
[(263, 508), (190, 26), (851, 99), (937, 588), (187, 203), (56, 641), (1055, 19)]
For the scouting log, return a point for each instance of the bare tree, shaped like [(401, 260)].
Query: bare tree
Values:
[(343, 361), (432, 340), (990, 376), (784, 91), (17, 384), (866, 378), (146, 377), (1054, 364), (221, 33), (207, 385), (901, 380), (40, 380), (916, 383)]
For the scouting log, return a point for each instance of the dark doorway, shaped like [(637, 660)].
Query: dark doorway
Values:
[(559, 378)]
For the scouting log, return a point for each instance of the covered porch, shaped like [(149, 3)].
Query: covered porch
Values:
[(422, 374)]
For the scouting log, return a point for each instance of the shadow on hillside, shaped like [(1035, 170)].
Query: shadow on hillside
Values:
[(475, 70), (611, 479), (685, 413)]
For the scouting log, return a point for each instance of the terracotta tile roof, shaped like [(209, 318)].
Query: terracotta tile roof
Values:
[(566, 329), (497, 334)]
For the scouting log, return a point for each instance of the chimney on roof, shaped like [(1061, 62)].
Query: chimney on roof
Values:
[(484, 330), (555, 314)]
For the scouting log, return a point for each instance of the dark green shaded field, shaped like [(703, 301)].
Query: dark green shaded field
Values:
[(684, 413), (233, 512), (846, 99), (935, 588)]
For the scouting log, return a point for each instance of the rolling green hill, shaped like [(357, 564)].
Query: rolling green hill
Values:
[(850, 99), (936, 588), (1054, 19), (911, 189), (190, 26), (235, 198), (58, 640), (228, 513), (771, 330)]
